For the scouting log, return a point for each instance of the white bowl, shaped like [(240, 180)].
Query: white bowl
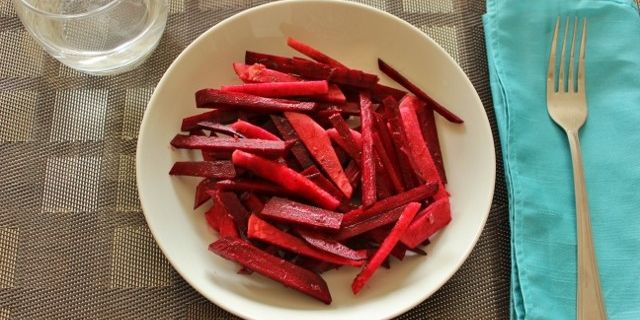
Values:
[(356, 35)]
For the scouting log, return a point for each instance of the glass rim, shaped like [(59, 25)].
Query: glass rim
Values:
[(61, 16)]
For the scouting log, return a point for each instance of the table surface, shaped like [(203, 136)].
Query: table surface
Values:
[(73, 239)]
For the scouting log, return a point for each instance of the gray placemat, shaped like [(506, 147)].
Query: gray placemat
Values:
[(73, 240)]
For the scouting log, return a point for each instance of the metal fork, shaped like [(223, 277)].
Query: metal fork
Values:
[(567, 106)]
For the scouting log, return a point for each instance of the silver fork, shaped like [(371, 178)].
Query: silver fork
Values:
[(567, 106)]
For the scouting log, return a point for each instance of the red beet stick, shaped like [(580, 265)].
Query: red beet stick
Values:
[(261, 230), (214, 98), (313, 53), (257, 186), (435, 217), (250, 130), (216, 115), (326, 243), (258, 73), (344, 137), (430, 134), (387, 245), (314, 137), (281, 89), (288, 133), (313, 70), (287, 178), (265, 147), (399, 78), (368, 157), (205, 169), (291, 212), (419, 193), (419, 152), (272, 267), (351, 230)]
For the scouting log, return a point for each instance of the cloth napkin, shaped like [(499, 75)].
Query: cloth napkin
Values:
[(537, 161)]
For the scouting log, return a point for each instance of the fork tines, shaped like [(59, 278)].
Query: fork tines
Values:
[(566, 80)]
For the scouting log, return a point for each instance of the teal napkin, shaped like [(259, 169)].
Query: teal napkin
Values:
[(537, 162)]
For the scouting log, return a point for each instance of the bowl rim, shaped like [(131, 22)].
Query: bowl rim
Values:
[(240, 311)]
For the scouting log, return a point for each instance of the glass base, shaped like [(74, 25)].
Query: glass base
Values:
[(114, 70)]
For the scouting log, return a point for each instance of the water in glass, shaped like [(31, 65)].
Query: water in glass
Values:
[(96, 36)]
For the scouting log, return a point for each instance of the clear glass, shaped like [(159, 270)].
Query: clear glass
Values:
[(101, 37)]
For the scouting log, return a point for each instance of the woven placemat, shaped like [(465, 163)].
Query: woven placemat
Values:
[(73, 240)]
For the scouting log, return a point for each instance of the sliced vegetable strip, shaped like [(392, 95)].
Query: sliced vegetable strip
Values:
[(272, 267), (430, 133), (287, 132), (285, 177), (312, 173), (217, 115), (368, 158), (265, 147), (292, 212), (399, 78), (419, 193), (252, 131), (214, 98), (313, 70), (201, 192), (232, 205), (355, 136), (350, 230), (325, 243), (386, 143), (394, 125), (421, 157), (388, 166), (221, 217), (379, 234), (281, 89), (429, 221), (205, 169), (317, 142), (258, 186), (387, 245), (313, 53), (261, 230), (345, 137), (258, 73), (219, 128)]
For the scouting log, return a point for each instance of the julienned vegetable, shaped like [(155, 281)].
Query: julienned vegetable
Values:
[(396, 76), (281, 89), (271, 266), (311, 165), (286, 177), (314, 137)]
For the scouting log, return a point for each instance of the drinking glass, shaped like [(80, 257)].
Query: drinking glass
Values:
[(100, 37)]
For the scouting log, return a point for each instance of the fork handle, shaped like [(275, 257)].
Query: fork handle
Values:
[(590, 303)]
